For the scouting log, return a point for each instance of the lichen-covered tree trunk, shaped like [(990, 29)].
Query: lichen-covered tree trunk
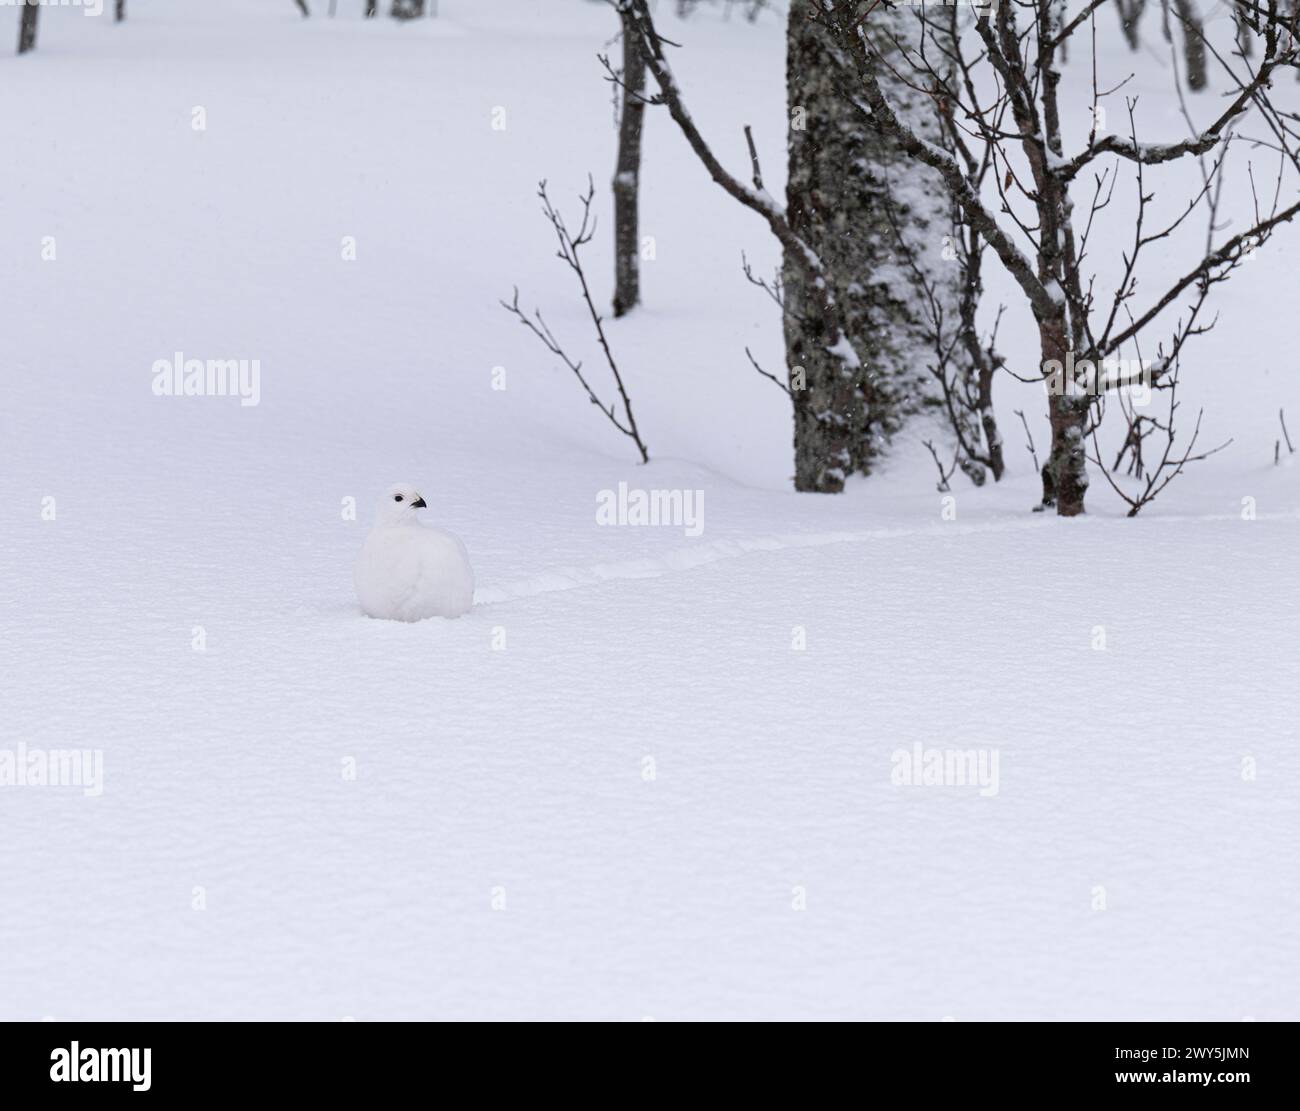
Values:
[(834, 410), (874, 218), (27, 27), (627, 173)]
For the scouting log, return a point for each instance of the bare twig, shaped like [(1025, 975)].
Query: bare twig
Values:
[(766, 374), (1170, 464), (1030, 436), (944, 476), (569, 246)]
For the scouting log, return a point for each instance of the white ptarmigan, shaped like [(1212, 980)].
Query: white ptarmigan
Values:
[(407, 571)]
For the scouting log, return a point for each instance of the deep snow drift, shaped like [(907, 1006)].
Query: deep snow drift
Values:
[(656, 771)]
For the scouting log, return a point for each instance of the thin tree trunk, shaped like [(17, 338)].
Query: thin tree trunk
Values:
[(27, 27), (302, 7), (989, 422), (1193, 44), (980, 364), (407, 9), (119, 11), (973, 367), (627, 174), (1060, 333), (1130, 11)]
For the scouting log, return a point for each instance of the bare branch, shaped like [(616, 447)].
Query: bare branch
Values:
[(569, 246), (767, 375)]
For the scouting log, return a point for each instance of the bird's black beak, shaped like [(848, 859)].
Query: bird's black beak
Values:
[(419, 503)]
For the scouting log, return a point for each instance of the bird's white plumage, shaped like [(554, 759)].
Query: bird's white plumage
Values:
[(407, 571)]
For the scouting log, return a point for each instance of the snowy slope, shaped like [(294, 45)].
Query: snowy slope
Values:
[(516, 774)]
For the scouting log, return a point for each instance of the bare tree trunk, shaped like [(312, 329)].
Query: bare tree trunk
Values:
[(1193, 42), (372, 8), (627, 173), (407, 9), (989, 423), (27, 27), (1065, 474), (1130, 12), (119, 11), (302, 7)]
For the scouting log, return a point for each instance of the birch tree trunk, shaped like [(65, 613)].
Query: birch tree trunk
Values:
[(627, 173), (1065, 474), (877, 220)]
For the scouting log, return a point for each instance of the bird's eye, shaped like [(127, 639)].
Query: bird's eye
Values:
[(397, 497)]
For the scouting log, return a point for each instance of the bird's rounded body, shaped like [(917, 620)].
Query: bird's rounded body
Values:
[(407, 571)]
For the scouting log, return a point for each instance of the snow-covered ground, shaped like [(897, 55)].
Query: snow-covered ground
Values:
[(652, 773)]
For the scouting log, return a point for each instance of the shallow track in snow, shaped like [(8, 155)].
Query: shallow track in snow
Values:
[(692, 556)]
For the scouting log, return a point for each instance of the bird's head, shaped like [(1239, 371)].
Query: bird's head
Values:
[(398, 505)]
